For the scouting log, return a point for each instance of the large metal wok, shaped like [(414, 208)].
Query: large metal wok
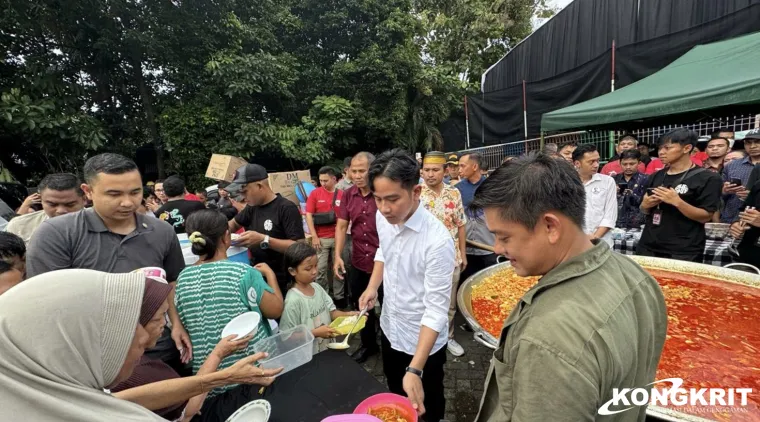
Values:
[(725, 274)]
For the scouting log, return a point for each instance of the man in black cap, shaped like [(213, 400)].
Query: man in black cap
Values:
[(272, 223), (452, 165)]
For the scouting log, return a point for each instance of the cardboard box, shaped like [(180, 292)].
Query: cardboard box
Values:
[(285, 183), (222, 167)]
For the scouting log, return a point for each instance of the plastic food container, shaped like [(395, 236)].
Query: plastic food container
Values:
[(400, 403), (288, 349), (352, 418)]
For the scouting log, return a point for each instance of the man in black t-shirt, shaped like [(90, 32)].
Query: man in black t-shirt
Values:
[(680, 199), (176, 210), (272, 223)]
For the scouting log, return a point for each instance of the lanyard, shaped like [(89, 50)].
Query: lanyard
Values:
[(686, 173)]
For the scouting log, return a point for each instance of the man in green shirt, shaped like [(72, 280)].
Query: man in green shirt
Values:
[(594, 322)]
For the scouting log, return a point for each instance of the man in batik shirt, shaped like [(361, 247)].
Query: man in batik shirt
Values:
[(445, 203)]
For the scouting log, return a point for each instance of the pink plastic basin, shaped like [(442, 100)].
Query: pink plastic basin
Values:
[(351, 418), (388, 399)]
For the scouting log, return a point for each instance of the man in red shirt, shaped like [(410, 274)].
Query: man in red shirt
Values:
[(359, 208), (625, 143), (321, 216)]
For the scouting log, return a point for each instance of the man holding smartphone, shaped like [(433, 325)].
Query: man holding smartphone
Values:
[(736, 176), (631, 184), (680, 199)]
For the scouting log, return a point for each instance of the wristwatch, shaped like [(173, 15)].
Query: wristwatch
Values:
[(265, 242), (414, 371)]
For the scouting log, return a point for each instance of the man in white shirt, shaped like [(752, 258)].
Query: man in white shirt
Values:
[(601, 194), (415, 264)]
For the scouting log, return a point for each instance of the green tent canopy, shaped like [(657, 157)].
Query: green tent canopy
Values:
[(708, 76)]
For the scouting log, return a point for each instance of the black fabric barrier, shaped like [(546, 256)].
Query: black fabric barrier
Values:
[(584, 30), (497, 117)]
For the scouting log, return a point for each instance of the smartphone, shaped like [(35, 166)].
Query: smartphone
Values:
[(736, 181), (623, 185), (650, 191), (418, 155)]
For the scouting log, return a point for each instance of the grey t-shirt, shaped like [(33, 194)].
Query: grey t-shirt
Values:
[(311, 311), (81, 240)]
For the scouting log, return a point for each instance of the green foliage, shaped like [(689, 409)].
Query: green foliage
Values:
[(471, 35), (291, 83)]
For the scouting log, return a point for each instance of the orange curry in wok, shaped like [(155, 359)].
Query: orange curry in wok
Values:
[(713, 337)]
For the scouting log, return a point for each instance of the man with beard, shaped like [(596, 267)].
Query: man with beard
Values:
[(445, 203), (113, 237), (717, 149)]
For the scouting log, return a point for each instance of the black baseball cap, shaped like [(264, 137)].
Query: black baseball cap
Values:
[(250, 173), (753, 134)]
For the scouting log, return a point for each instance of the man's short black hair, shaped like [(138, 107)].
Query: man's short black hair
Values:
[(396, 165), (473, 156), (328, 170), (346, 162), (107, 163), (630, 154), (527, 187), (174, 186), (222, 185), (12, 251), (582, 150), (680, 136), (628, 136), (716, 133), (61, 182), (567, 144), (728, 143)]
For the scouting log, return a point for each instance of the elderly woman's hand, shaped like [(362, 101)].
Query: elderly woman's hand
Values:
[(229, 345), (245, 372)]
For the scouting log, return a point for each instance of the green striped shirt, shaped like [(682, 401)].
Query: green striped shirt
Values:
[(209, 296)]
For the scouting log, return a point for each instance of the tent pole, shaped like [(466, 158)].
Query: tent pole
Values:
[(466, 124), (612, 78), (612, 89), (525, 111)]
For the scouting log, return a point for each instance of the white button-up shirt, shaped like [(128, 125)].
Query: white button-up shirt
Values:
[(601, 205), (419, 259)]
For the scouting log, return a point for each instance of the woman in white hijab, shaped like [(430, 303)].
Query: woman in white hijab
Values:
[(64, 337)]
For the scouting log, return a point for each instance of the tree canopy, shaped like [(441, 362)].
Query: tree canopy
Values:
[(286, 83)]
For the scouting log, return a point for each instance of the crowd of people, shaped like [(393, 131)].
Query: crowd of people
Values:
[(671, 197), (101, 339)]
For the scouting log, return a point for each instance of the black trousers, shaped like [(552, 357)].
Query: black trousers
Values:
[(359, 283), (394, 367), (476, 263), (691, 257)]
